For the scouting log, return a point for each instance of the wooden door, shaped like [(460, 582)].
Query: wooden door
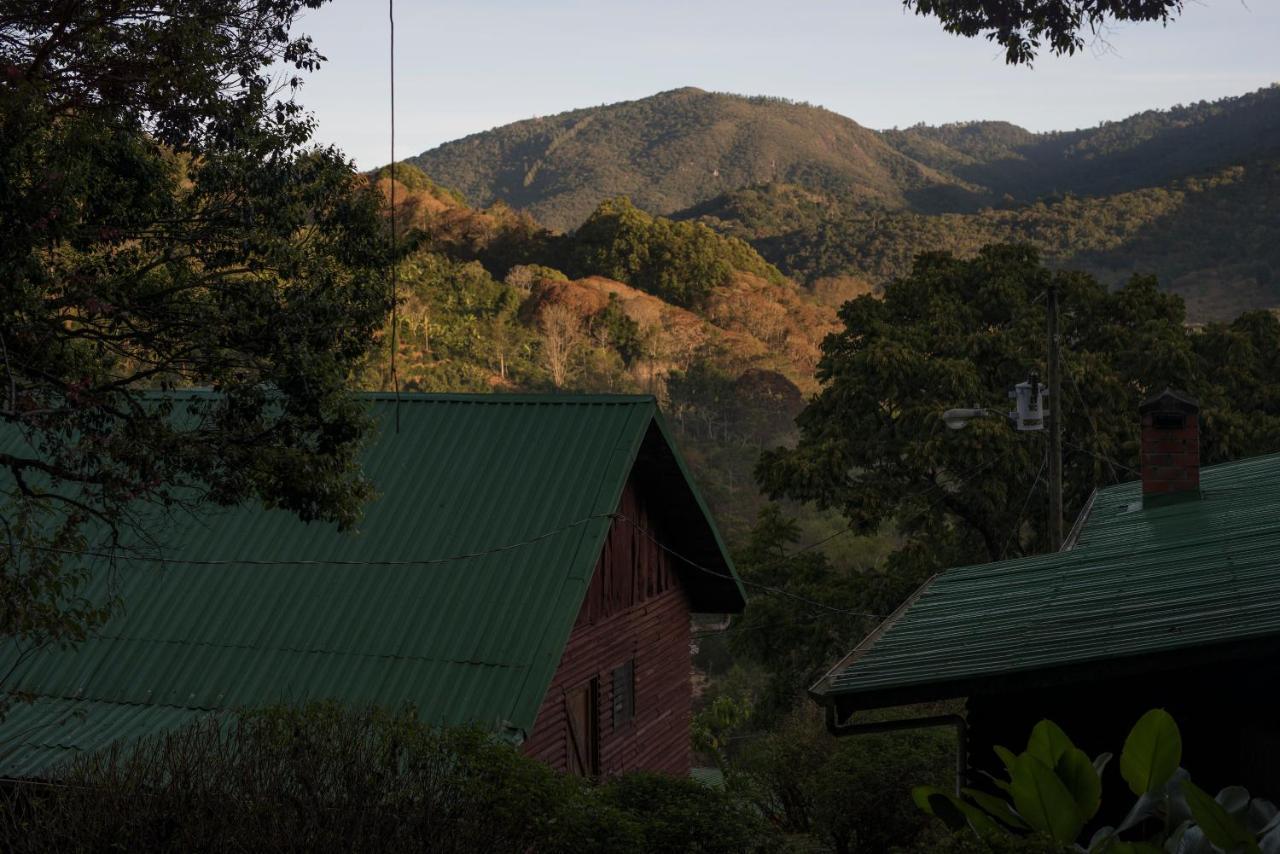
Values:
[(583, 739)]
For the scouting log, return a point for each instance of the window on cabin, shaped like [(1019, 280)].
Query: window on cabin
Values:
[(624, 693)]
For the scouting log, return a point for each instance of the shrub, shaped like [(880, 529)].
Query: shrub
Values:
[(325, 779)]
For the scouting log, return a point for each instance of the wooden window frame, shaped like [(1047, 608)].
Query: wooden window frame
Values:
[(624, 703)]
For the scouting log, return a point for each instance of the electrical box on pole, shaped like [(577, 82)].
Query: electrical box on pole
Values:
[(1029, 411)]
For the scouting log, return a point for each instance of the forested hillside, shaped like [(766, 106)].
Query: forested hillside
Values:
[(1186, 194), (1149, 149), (1214, 240), (629, 302), (673, 150)]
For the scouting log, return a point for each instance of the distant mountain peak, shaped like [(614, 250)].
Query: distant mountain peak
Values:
[(672, 150)]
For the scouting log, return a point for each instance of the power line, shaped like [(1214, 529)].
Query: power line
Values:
[(311, 562), (728, 576), (965, 478), (1017, 523), (395, 292), (516, 545)]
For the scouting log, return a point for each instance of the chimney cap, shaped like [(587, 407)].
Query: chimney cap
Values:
[(1170, 401)]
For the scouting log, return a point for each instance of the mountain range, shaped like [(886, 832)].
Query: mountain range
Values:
[(1188, 193)]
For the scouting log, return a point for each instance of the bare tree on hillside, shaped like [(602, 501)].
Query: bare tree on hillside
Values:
[(562, 335)]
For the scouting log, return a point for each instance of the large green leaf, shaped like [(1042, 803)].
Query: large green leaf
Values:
[(1007, 757), (1151, 752), (938, 803), (956, 813), (1218, 825), (1048, 742), (1043, 800), (997, 807), (1077, 773)]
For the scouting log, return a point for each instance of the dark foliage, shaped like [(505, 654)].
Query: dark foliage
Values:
[(959, 332), (321, 779), (681, 262), (163, 223), (1024, 26)]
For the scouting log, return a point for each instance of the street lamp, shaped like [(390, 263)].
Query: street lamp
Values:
[(958, 419), (1032, 415), (1029, 415)]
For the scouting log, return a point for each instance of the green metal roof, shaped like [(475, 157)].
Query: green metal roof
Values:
[(1136, 585), (471, 639)]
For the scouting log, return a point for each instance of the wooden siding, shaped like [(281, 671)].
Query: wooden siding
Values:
[(635, 609)]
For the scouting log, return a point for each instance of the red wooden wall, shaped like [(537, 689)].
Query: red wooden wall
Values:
[(635, 609)]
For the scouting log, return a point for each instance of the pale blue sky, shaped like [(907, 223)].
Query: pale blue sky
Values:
[(464, 67)]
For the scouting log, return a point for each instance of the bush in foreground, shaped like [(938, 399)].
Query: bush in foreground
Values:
[(321, 779)]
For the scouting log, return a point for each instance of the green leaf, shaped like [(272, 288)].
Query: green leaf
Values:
[(997, 807), (1218, 825), (1048, 742), (1002, 785), (1043, 801), (1077, 773), (1007, 757), (935, 802), (954, 812), (1151, 752)]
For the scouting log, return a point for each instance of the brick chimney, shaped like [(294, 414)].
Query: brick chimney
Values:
[(1170, 448)]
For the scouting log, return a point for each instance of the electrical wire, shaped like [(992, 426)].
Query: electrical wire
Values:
[(965, 478), (309, 562), (777, 591), (1017, 524), (391, 12)]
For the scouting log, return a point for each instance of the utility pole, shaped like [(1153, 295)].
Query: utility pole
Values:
[(1055, 422)]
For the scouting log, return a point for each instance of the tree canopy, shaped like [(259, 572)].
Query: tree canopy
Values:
[(165, 223), (1024, 27), (960, 333)]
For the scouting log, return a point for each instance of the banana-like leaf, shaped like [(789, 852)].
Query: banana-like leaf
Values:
[(1007, 757), (1147, 806), (1043, 801), (938, 803), (1076, 772), (956, 813), (1048, 742), (997, 807), (1151, 752), (1221, 828), (1002, 785)]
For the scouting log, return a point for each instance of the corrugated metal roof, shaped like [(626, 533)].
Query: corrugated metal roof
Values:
[(475, 639), (1138, 582)]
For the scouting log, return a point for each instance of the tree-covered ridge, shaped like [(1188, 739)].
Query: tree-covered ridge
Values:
[(491, 300), (681, 148), (671, 151), (1215, 239), (1148, 149)]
